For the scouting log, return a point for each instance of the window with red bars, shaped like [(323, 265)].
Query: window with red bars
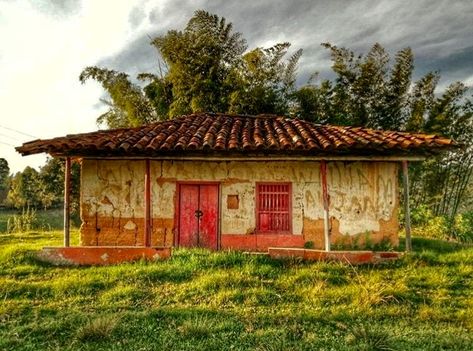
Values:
[(273, 207)]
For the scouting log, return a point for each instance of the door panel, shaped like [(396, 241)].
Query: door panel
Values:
[(208, 221), (188, 223), (198, 215)]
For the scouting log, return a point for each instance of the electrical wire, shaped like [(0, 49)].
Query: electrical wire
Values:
[(18, 131), (1, 142), (10, 137)]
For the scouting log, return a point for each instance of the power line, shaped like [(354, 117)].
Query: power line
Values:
[(10, 137), (1, 142), (18, 131)]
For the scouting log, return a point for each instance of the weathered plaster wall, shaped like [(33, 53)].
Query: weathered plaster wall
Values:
[(112, 206), (363, 200), (363, 205)]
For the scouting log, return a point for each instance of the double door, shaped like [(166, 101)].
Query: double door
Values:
[(198, 215)]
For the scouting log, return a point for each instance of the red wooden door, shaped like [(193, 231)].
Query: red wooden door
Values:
[(198, 215)]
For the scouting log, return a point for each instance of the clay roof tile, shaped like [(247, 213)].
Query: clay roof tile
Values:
[(225, 133)]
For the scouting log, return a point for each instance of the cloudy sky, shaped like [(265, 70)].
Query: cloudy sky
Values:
[(46, 43)]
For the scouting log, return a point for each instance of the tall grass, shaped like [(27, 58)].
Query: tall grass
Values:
[(199, 300), (51, 219)]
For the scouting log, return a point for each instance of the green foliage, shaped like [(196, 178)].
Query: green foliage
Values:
[(44, 189), (24, 222), (463, 227), (203, 68), (51, 219), (4, 180), (428, 225), (367, 91), (309, 245), (200, 300), (24, 189), (200, 59), (264, 83), (128, 106)]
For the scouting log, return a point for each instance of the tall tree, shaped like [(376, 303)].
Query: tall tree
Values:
[(200, 59), (263, 81), (201, 68), (367, 91), (24, 189), (4, 179), (129, 107)]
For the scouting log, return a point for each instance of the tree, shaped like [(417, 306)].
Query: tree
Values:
[(128, 105), (264, 83), (442, 182), (45, 188), (24, 189), (4, 179), (51, 184), (201, 68), (200, 59), (366, 91)]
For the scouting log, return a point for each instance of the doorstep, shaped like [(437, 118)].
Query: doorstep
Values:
[(101, 255)]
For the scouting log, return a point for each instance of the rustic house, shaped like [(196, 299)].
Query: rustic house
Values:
[(238, 182)]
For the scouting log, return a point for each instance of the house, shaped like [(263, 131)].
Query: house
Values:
[(240, 182)]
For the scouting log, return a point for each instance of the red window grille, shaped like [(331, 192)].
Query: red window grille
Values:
[(273, 208)]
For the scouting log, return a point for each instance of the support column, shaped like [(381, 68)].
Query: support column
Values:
[(147, 226), (67, 207), (323, 172), (407, 210)]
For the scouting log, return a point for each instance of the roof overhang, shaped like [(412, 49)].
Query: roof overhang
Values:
[(261, 158)]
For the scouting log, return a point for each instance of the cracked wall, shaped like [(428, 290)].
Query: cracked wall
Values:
[(363, 199)]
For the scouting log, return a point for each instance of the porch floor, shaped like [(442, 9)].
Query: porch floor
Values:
[(101, 255)]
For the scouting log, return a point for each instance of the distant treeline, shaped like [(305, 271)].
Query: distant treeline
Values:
[(33, 189)]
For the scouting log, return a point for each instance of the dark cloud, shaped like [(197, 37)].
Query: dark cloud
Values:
[(137, 15), (439, 32), (139, 56)]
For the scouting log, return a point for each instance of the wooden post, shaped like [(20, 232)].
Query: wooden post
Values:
[(323, 172), (147, 227), (407, 211), (67, 192)]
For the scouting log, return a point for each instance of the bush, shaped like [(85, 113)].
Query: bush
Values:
[(426, 225), (463, 227), (97, 329), (24, 222)]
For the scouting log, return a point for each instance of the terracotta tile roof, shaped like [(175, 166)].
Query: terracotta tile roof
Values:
[(221, 134)]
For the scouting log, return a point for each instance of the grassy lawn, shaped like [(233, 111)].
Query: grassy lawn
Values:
[(230, 301)]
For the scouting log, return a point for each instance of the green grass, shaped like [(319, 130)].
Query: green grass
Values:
[(230, 301)]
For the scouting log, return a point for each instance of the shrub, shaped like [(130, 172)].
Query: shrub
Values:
[(436, 227), (463, 227), (24, 222), (97, 329), (426, 225)]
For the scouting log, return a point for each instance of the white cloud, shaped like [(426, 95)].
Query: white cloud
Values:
[(41, 59)]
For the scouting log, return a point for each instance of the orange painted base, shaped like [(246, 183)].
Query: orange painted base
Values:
[(101, 255), (351, 257), (260, 242)]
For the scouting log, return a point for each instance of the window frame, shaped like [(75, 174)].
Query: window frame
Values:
[(257, 209)]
